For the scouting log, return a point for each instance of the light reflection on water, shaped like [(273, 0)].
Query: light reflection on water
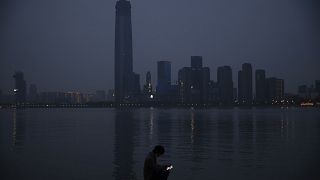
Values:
[(200, 143)]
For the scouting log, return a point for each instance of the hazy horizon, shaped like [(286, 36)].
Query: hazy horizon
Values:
[(67, 45)]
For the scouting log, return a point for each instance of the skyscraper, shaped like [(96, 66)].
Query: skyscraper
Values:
[(245, 84), (225, 84), (194, 82), (0, 96), (200, 80), (20, 89), (33, 93), (303, 91), (260, 86), (240, 84), (134, 84), (164, 77), (148, 86), (123, 51), (275, 89), (317, 86)]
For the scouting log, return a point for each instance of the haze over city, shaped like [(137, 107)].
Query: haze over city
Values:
[(69, 45), (144, 89)]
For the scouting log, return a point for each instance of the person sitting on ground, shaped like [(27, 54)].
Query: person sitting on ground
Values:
[(152, 170)]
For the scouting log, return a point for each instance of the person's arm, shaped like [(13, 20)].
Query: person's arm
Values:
[(161, 167)]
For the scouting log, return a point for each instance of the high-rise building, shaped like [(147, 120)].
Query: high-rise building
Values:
[(135, 85), (194, 82), (240, 84), (123, 51), (147, 89), (200, 80), (1, 96), (317, 85), (88, 97), (20, 89), (110, 95), (235, 94), (164, 77), (225, 84), (245, 84), (309, 92), (261, 86), (185, 84), (213, 94), (33, 93), (303, 91), (275, 89)]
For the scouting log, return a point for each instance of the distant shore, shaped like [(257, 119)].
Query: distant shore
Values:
[(156, 105)]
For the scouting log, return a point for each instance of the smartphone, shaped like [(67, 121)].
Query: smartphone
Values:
[(170, 167)]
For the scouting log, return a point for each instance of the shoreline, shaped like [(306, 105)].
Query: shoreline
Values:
[(149, 105)]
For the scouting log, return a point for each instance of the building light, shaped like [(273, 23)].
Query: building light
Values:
[(151, 96), (15, 90), (307, 104)]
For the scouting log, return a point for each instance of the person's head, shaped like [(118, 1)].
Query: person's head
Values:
[(158, 150)]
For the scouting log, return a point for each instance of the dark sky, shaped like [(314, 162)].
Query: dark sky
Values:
[(69, 44)]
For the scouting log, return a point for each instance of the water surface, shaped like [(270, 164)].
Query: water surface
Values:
[(221, 144)]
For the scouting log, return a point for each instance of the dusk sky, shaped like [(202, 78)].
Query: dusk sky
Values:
[(68, 45)]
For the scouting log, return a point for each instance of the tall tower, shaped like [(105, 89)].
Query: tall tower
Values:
[(148, 86), (194, 82), (148, 78), (164, 77), (275, 89), (245, 84), (20, 89), (225, 84), (317, 85), (123, 51), (33, 93), (261, 86)]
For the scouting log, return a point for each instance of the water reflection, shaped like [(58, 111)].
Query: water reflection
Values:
[(18, 129), (200, 132), (195, 138), (201, 143), (246, 137), (164, 124), (225, 136), (148, 127), (125, 124), (263, 139), (151, 124), (192, 127)]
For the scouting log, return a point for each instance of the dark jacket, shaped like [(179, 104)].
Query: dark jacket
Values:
[(152, 170)]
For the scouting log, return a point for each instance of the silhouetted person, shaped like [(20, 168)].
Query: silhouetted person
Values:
[(152, 170)]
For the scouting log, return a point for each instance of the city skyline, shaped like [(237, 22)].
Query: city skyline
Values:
[(56, 68), (194, 86)]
